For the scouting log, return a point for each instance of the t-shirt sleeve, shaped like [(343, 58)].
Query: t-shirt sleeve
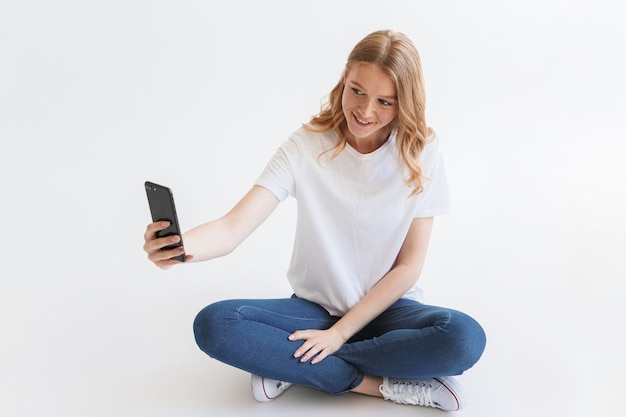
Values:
[(435, 199), (277, 176)]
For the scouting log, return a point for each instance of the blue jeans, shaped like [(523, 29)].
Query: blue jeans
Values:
[(409, 340)]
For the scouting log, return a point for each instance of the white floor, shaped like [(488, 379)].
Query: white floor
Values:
[(97, 97)]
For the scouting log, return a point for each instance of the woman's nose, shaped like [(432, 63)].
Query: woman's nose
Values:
[(366, 108)]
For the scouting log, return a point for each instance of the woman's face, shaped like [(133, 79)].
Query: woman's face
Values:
[(369, 104)]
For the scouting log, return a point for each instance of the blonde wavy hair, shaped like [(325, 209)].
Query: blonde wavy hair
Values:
[(397, 56)]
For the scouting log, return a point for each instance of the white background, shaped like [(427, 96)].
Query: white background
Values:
[(97, 97)]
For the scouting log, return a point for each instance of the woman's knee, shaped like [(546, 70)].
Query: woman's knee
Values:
[(467, 340), (209, 323)]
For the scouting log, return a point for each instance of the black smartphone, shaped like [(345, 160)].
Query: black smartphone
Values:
[(161, 202)]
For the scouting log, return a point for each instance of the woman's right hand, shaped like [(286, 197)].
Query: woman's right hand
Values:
[(153, 246)]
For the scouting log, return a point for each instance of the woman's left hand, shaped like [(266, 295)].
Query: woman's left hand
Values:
[(318, 344)]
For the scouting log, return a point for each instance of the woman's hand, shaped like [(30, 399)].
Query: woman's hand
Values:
[(318, 344), (153, 246)]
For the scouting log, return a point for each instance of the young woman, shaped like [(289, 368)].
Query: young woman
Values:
[(368, 177)]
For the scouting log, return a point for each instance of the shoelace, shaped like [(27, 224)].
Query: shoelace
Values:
[(408, 393)]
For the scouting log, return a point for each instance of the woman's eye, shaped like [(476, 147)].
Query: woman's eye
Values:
[(385, 103), (357, 92)]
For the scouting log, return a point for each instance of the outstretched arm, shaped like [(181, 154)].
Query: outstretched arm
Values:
[(215, 238)]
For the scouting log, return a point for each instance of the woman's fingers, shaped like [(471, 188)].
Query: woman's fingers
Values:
[(318, 344), (153, 245)]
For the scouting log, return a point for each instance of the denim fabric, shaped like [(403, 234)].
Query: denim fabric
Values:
[(410, 339)]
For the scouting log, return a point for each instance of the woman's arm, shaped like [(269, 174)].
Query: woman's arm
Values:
[(215, 238), (220, 237), (402, 276)]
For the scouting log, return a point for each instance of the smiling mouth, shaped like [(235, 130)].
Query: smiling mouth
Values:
[(361, 122)]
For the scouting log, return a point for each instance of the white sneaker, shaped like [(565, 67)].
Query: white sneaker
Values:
[(265, 389), (443, 392)]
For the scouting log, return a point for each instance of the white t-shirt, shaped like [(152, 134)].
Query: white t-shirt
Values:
[(353, 213)]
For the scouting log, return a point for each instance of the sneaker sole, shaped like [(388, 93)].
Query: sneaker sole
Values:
[(455, 389), (258, 389)]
